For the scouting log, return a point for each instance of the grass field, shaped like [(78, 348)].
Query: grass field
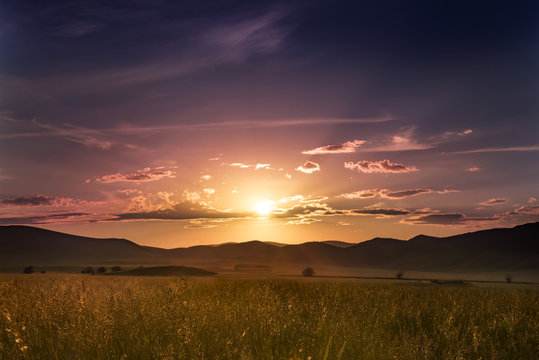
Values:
[(98, 317)]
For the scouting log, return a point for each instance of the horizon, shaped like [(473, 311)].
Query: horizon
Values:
[(176, 125), (327, 241)]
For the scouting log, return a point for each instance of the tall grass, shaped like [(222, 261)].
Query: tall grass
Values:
[(85, 317)]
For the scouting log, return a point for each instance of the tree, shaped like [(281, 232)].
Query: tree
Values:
[(88, 270), (509, 278), (400, 274), (101, 270), (28, 270), (116, 268), (308, 271)]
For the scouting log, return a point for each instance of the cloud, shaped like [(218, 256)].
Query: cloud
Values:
[(309, 167), (44, 219), (494, 201), (474, 169), (106, 138), (206, 177), (383, 166), (249, 166), (501, 149), (144, 175), (43, 200), (34, 200), (450, 219), (532, 200), (186, 210), (523, 210), (384, 212), (465, 132), (209, 191), (303, 221), (302, 210), (346, 147)]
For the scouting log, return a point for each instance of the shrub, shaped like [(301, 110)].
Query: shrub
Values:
[(88, 270), (28, 270), (116, 268), (308, 271), (101, 270)]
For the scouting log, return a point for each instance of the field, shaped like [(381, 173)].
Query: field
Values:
[(108, 317)]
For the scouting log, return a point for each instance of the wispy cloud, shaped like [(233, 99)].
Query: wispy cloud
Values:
[(144, 175), (494, 201), (309, 167), (346, 147), (446, 219), (44, 200), (383, 166), (391, 194), (474, 169), (46, 218), (498, 149), (106, 138)]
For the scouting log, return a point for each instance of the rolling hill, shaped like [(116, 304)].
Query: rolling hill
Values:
[(487, 250)]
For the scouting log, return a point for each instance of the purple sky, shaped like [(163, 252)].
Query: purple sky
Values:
[(177, 123)]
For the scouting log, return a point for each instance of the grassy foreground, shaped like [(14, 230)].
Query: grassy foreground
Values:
[(97, 317)]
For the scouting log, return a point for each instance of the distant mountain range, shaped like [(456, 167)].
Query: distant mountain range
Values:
[(487, 250)]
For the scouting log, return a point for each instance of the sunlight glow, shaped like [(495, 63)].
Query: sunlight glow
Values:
[(265, 207)]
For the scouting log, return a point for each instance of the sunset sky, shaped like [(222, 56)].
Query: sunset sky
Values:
[(175, 123)]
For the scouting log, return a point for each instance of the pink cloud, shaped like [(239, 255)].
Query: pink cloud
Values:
[(474, 169), (383, 166), (346, 147), (494, 201), (309, 167)]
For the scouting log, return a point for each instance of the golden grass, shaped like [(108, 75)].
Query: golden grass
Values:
[(98, 317)]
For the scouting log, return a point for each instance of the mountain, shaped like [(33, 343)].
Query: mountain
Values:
[(487, 250), (31, 245)]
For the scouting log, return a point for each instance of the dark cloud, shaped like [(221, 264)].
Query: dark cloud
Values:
[(146, 174), (346, 147), (447, 219), (34, 200), (383, 166), (43, 219), (385, 212)]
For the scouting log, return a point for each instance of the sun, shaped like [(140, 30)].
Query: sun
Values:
[(265, 207)]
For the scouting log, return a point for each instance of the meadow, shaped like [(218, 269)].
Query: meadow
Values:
[(108, 317)]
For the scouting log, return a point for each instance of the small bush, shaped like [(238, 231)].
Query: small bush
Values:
[(101, 270), (88, 270), (308, 271), (116, 268), (28, 270)]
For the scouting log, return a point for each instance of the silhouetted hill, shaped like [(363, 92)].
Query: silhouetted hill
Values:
[(30, 245), (487, 250)]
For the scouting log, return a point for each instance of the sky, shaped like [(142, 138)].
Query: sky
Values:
[(181, 123)]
